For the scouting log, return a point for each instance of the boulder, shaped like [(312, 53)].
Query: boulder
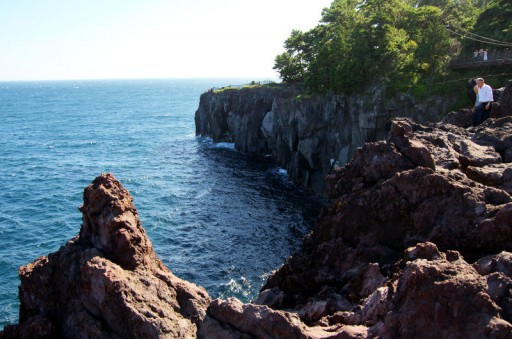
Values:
[(495, 133), (435, 297), (390, 249)]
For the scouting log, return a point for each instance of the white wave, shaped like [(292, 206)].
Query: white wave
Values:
[(228, 145), (209, 142), (281, 171)]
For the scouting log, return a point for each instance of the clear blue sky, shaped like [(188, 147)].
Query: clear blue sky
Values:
[(110, 39)]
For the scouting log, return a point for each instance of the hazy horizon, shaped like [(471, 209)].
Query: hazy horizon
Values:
[(247, 79)]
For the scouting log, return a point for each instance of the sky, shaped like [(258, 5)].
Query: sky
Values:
[(118, 39)]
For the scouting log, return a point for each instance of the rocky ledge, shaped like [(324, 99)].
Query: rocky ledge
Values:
[(416, 242)]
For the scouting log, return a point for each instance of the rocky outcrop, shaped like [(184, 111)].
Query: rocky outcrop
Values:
[(106, 282), (306, 136), (406, 217)]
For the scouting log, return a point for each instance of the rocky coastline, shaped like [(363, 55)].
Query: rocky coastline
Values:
[(416, 242), (306, 136)]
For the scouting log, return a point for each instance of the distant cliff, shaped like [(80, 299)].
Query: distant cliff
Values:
[(306, 136)]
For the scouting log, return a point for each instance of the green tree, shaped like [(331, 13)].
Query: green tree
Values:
[(291, 65), (289, 68), (495, 22), (403, 44)]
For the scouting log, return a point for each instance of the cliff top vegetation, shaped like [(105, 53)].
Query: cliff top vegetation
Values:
[(402, 45), (252, 84)]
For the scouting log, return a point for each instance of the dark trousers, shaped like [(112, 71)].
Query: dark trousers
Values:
[(481, 114)]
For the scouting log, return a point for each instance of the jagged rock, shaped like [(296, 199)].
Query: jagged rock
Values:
[(436, 294), (498, 269), (426, 251), (390, 200), (107, 282), (495, 133), (462, 118), (491, 175), (438, 298), (496, 196), (388, 257), (501, 262), (402, 136), (232, 319)]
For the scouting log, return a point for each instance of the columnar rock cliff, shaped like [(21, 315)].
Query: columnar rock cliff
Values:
[(305, 136)]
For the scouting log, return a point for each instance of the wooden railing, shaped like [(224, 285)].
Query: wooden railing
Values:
[(494, 58)]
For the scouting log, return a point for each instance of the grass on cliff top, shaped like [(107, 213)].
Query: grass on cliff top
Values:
[(252, 84)]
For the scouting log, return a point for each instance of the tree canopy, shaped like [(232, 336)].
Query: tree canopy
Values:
[(398, 43)]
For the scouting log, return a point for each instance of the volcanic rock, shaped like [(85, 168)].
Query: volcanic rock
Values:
[(106, 282), (392, 249)]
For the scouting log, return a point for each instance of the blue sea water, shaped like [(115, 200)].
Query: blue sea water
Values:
[(215, 217)]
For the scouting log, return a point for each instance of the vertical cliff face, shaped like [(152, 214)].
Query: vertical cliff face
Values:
[(305, 136)]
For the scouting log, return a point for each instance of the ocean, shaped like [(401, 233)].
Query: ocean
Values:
[(216, 217)]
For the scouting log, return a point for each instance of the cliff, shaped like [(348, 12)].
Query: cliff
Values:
[(305, 136), (416, 242)]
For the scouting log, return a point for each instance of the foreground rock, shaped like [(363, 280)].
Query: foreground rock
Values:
[(406, 217), (107, 282)]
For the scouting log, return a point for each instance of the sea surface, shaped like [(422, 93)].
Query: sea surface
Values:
[(215, 216)]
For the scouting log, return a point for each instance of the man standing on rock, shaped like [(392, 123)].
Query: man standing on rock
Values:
[(484, 104)]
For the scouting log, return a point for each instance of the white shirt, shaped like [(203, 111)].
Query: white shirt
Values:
[(485, 93)]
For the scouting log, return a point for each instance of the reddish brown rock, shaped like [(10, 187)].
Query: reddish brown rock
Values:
[(415, 194), (491, 175), (462, 118), (232, 319), (107, 282), (388, 257), (438, 298), (495, 133), (402, 136)]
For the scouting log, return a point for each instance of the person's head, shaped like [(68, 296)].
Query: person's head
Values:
[(480, 82)]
